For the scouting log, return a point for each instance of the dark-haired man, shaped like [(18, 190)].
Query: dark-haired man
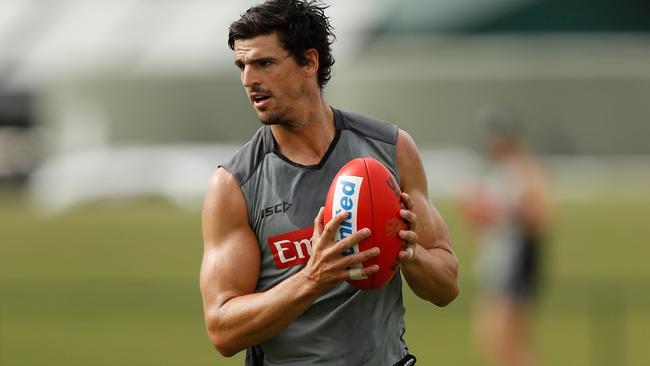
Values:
[(273, 279)]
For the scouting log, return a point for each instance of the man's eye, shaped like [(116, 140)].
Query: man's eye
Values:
[(265, 63)]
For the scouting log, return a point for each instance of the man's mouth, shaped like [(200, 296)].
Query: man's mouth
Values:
[(259, 100)]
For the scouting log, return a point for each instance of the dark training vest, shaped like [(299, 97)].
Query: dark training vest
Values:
[(345, 326)]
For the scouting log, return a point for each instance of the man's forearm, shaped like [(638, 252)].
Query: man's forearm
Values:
[(433, 275), (247, 320)]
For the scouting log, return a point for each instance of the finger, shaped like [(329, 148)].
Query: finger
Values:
[(407, 255), (318, 222), (333, 225), (409, 235), (364, 272), (353, 239), (352, 259), (356, 273), (406, 198), (410, 217)]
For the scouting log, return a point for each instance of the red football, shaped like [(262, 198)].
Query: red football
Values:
[(368, 191)]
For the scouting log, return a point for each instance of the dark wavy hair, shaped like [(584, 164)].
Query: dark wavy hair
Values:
[(300, 25)]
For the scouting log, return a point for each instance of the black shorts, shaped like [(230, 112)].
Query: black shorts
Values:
[(408, 360), (524, 282), (255, 357)]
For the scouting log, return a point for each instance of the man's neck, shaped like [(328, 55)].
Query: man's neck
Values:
[(308, 143)]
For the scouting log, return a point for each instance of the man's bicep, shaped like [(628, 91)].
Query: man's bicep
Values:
[(228, 270), (431, 228), (231, 258)]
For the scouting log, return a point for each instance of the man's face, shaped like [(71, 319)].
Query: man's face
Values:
[(499, 147), (274, 81)]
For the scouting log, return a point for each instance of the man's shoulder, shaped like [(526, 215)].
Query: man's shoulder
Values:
[(368, 126), (248, 158)]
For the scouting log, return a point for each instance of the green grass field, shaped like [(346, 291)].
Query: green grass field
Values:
[(117, 284)]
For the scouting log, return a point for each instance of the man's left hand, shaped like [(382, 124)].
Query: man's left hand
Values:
[(407, 254)]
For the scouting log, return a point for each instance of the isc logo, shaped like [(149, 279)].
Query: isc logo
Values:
[(275, 209)]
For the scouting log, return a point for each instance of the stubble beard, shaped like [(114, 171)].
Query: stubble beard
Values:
[(282, 116), (277, 118)]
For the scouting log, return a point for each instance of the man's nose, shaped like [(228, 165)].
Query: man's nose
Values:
[(249, 77)]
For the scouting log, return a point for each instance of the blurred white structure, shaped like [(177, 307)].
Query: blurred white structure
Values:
[(40, 40), (43, 42), (46, 43), (175, 172)]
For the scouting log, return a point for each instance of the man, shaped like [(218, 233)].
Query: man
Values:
[(273, 279), (510, 211)]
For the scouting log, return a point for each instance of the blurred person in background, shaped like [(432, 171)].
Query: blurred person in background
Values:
[(509, 211), (290, 304)]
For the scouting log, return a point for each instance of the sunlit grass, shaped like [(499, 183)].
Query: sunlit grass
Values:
[(117, 283)]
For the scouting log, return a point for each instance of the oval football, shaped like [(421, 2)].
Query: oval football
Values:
[(369, 192)]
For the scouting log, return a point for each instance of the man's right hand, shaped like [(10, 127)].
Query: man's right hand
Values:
[(327, 267), (236, 315)]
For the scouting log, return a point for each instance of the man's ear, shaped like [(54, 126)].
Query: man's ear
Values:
[(311, 62)]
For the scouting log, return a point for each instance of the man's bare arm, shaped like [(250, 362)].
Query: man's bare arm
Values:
[(432, 270), (237, 317), (534, 205)]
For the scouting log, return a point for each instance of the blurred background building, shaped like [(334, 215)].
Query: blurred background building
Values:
[(103, 100), (127, 97)]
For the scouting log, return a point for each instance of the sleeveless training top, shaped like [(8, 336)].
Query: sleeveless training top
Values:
[(507, 257), (345, 326)]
